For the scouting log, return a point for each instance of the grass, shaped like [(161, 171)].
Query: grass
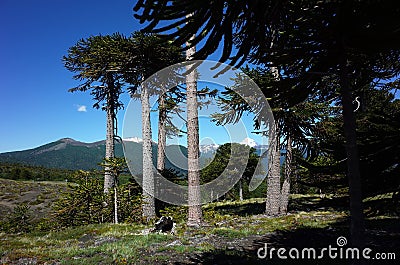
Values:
[(81, 245), (230, 223), (259, 225), (124, 244)]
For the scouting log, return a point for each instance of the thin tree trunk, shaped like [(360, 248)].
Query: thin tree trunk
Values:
[(115, 205), (357, 227), (148, 206), (285, 190), (195, 215), (273, 180), (240, 190), (162, 138), (162, 141), (109, 178)]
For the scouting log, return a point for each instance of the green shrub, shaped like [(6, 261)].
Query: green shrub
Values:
[(86, 203), (45, 224), (178, 213), (129, 204), (19, 220)]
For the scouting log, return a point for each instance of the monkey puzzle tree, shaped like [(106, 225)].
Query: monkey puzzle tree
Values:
[(221, 160), (116, 166), (149, 53), (293, 125), (315, 39), (98, 62), (195, 215)]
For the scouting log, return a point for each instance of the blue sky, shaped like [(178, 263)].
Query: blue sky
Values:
[(35, 105), (209, 133)]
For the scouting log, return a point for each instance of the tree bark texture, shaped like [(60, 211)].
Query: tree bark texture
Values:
[(285, 190), (357, 227), (274, 178), (195, 215), (148, 207), (115, 205), (240, 190), (162, 116), (109, 178)]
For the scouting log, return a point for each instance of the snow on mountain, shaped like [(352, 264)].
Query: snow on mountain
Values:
[(249, 142), (205, 148), (133, 139)]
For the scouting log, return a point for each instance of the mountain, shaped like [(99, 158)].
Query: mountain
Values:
[(249, 142), (65, 153), (205, 148), (207, 151), (68, 153)]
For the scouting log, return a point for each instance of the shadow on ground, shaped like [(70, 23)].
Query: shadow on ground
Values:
[(306, 204), (383, 236)]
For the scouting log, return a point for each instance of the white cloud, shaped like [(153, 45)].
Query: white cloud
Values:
[(82, 108)]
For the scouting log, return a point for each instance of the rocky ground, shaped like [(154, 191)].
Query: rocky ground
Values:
[(233, 234)]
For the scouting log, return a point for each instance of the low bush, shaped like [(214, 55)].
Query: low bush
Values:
[(19, 220), (86, 203)]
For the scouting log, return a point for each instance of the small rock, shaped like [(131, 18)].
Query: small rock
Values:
[(101, 241), (145, 231), (27, 261), (85, 238), (175, 243)]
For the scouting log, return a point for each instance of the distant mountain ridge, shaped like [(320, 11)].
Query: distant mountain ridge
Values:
[(68, 153), (65, 153)]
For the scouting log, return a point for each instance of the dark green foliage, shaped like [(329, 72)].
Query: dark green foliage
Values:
[(115, 165), (178, 213), (174, 176), (86, 202), (129, 204), (220, 162), (321, 174), (288, 31), (19, 220), (16, 171), (377, 137), (99, 61), (212, 21), (222, 158)]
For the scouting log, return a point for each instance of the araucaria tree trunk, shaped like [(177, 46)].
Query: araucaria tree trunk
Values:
[(109, 178), (149, 211), (285, 190), (162, 142), (194, 200), (240, 190), (353, 168), (273, 179), (274, 171), (162, 118)]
